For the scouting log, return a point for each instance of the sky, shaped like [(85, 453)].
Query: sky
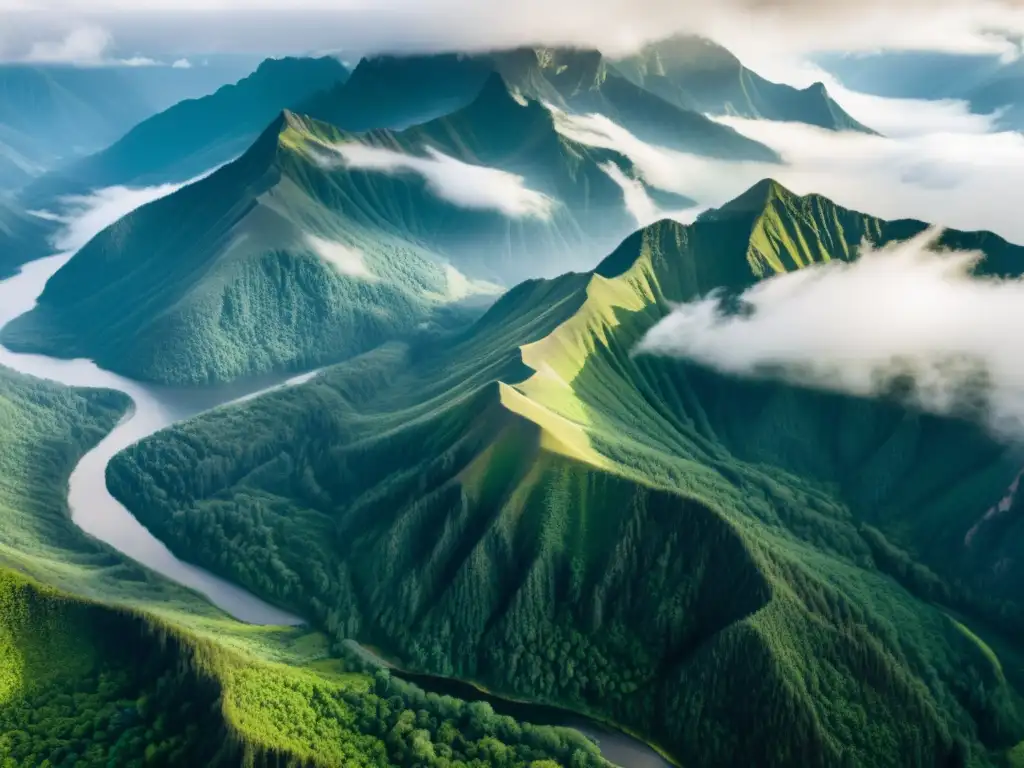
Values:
[(768, 34)]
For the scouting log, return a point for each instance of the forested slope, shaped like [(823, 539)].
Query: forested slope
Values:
[(104, 663), (710, 562), (292, 256)]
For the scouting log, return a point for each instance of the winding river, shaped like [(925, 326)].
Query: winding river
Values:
[(98, 513), (93, 509)]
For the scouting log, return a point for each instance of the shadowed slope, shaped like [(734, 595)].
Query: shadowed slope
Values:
[(699, 75)]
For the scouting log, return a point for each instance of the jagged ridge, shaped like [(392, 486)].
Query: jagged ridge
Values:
[(710, 559)]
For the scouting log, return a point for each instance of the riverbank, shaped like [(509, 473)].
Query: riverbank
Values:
[(93, 509), (618, 745)]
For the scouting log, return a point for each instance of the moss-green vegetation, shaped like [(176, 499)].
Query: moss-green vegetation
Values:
[(104, 664), (742, 572)]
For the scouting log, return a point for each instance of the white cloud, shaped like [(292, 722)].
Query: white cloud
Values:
[(905, 310), (467, 186), (461, 287), (966, 180), (85, 216), (347, 261), (707, 181), (83, 46), (137, 61), (892, 117), (761, 31), (961, 180), (639, 203), (181, 64)]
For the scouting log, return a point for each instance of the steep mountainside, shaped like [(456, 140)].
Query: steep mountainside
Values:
[(396, 92), (399, 91), (55, 114), (290, 256), (194, 135), (104, 663), (743, 572), (699, 75), (583, 81)]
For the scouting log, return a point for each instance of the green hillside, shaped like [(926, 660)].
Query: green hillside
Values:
[(104, 663), (289, 258), (742, 572), (194, 135), (699, 75)]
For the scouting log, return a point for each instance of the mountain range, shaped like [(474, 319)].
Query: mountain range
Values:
[(699, 75), (485, 486), (740, 571), (279, 201), (656, 95), (293, 256), (105, 663), (53, 114), (193, 135)]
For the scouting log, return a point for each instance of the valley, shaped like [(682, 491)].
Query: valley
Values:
[(98, 514)]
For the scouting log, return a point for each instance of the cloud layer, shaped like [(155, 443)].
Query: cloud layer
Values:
[(940, 167), (85, 216), (760, 30), (347, 261), (467, 186), (905, 312)]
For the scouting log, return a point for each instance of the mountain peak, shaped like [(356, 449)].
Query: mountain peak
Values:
[(400, 91), (755, 199), (689, 50), (496, 104)]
